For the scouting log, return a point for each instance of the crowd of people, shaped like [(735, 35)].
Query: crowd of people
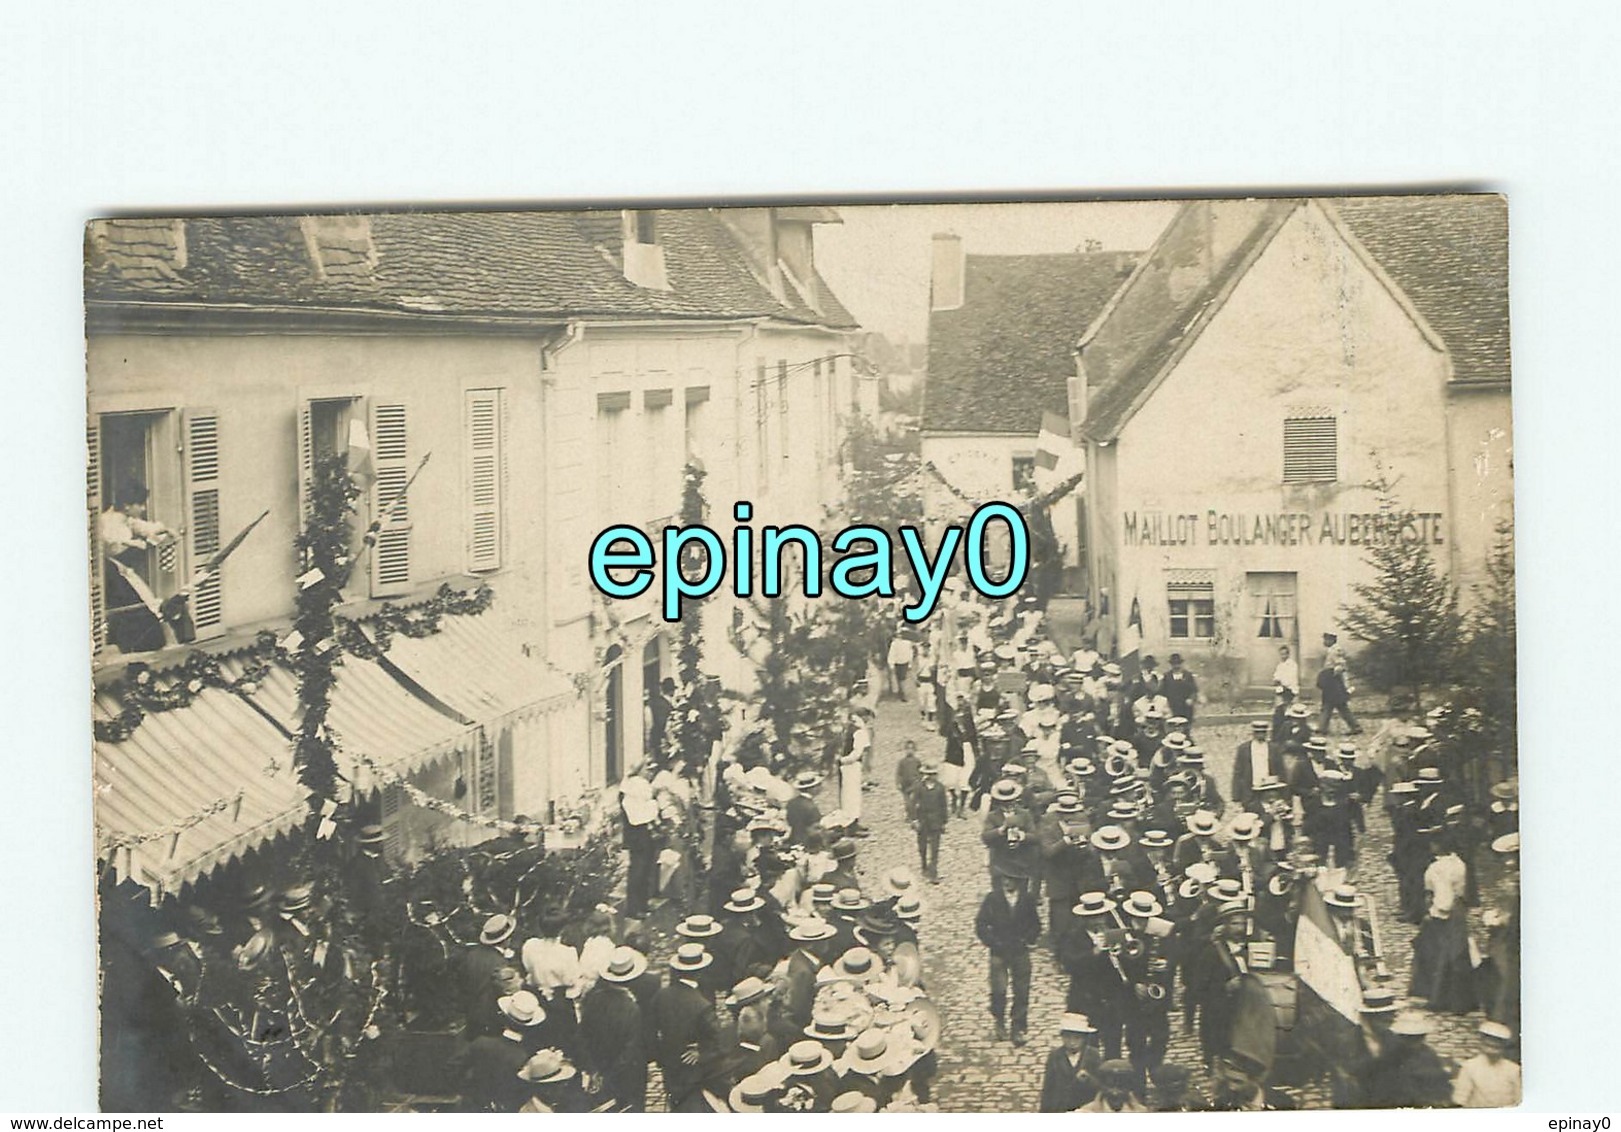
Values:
[(786, 974)]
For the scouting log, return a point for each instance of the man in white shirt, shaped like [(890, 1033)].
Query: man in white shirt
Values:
[(1489, 1079), (1286, 676)]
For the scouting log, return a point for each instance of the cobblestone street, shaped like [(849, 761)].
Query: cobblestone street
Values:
[(979, 1073)]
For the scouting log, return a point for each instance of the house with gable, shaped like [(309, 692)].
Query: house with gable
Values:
[(1279, 386)]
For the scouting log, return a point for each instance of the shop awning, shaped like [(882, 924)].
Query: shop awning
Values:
[(479, 667), (211, 781), (374, 715)]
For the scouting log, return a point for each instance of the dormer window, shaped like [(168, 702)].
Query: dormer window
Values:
[(644, 258)]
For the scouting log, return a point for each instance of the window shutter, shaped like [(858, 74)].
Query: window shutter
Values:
[(201, 464), (1310, 449), (391, 557), (306, 461), (98, 600), (486, 456), (390, 801)]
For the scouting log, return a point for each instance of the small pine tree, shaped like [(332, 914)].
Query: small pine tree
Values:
[(1407, 616), (1489, 672)]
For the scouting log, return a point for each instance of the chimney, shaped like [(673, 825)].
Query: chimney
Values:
[(946, 276)]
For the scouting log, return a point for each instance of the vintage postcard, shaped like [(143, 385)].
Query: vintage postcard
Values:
[(957, 658)]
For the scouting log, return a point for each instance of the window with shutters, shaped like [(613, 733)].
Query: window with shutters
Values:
[(762, 446), (1310, 448), (612, 409), (201, 465), (139, 524), (486, 480), (391, 555)]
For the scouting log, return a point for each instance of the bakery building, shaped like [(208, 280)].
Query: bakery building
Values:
[(1266, 367)]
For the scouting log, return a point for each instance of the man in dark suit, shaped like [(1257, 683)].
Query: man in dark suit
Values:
[(1008, 925), (479, 964), (928, 809), (612, 1031), (1256, 759), (1069, 1079), (801, 812), (799, 983), (688, 1032)]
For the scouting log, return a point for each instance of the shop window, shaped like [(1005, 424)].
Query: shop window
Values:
[(1310, 449), (1193, 612)]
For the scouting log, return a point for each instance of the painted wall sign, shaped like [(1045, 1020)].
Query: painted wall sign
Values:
[(1286, 528)]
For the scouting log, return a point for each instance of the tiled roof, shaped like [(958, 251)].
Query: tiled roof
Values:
[(1449, 255), (1005, 356), (508, 264), (1175, 291)]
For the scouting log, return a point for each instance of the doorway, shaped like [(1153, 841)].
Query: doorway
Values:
[(1273, 621)]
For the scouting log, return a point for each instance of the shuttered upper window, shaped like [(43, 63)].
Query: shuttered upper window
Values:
[(391, 557), (202, 476), (486, 480), (1311, 448)]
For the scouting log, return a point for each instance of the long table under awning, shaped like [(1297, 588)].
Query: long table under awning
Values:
[(479, 667), (176, 767)]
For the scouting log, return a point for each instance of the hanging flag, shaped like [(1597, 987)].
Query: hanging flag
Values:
[(1321, 961), (360, 455), (1131, 643), (1052, 442)]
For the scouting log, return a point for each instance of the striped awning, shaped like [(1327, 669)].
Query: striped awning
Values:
[(480, 668), (374, 715), (192, 789)]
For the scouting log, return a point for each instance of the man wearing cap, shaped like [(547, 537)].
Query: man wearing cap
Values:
[(1180, 689), (488, 1065), (844, 874), (1008, 925), (1489, 1079), (811, 942), (1069, 1078), (688, 1036), (801, 811), (479, 964), (611, 1033), (748, 1045), (927, 809)]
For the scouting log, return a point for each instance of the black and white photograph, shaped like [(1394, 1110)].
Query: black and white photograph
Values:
[(1024, 657)]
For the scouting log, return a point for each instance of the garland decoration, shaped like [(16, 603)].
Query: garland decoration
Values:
[(114, 844), (415, 621), (695, 720), (141, 691)]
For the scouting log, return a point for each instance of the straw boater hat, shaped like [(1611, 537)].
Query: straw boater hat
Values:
[(690, 957), (1155, 839), (850, 900), (822, 892), (548, 1067), (827, 1026), (1231, 908), (698, 927), (1245, 827), (853, 1101), (859, 965), (844, 850), (1094, 904), (497, 930), (1345, 896), (1124, 784), (1402, 788), (930, 767), (812, 930), (1110, 839), (1429, 775), (1122, 810), (806, 1058), (1081, 767), (296, 899), (522, 1007), (370, 836), (1379, 1000), (1202, 823), (1411, 1024), (1006, 790), (807, 780), (1260, 726), (1224, 889), (1497, 1032), (744, 900), (1297, 710), (1269, 783), (1175, 741), (1507, 791), (1190, 756), (898, 881), (752, 1092), (1014, 770), (751, 989), (625, 965), (1142, 906), (1040, 693), (1073, 1023), (867, 1053), (1153, 714), (1190, 888), (909, 908), (1065, 802), (1507, 844)]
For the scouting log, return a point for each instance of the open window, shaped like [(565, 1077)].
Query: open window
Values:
[(136, 496), (373, 438)]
